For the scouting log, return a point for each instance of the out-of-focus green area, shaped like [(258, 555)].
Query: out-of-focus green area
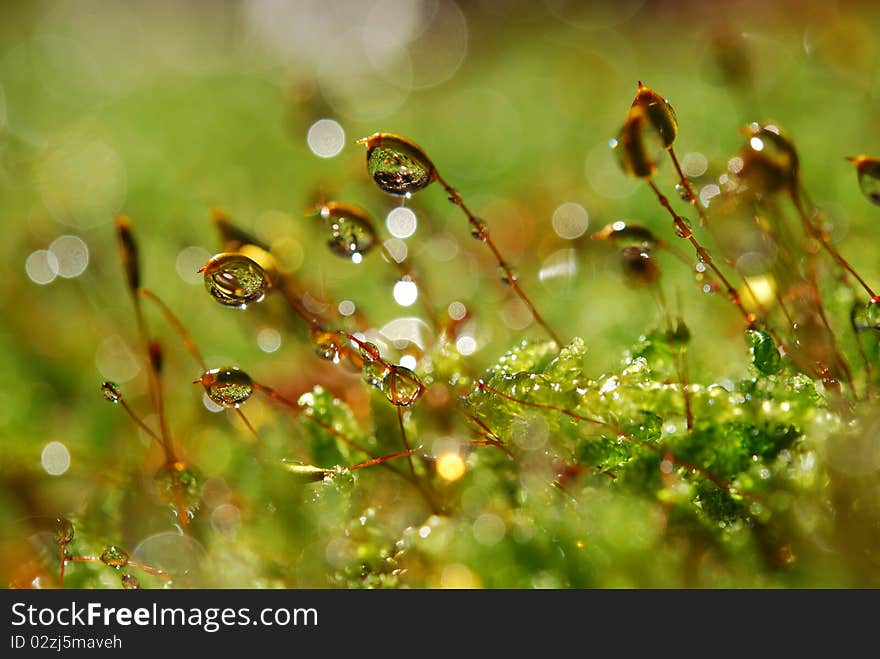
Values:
[(162, 111)]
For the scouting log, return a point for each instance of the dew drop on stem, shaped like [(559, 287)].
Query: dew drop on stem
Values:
[(227, 386), (351, 233), (332, 346), (129, 581), (402, 387), (114, 557), (397, 165), (868, 170), (111, 392), (235, 280)]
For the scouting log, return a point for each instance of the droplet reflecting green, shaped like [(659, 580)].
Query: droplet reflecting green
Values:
[(765, 354), (114, 557), (332, 346), (235, 280), (397, 166), (227, 386), (111, 391), (868, 169), (352, 233), (872, 314), (402, 387), (129, 581)]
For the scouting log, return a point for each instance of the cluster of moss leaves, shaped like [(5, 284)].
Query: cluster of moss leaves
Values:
[(608, 486)]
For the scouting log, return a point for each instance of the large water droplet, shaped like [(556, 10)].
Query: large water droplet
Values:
[(111, 391), (352, 233), (868, 170), (872, 314), (129, 581), (402, 387), (235, 280), (765, 354), (332, 346), (227, 386), (658, 112), (398, 166), (114, 557)]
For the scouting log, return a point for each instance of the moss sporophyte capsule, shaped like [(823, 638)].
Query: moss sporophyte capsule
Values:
[(658, 112), (868, 170), (350, 230), (639, 145)]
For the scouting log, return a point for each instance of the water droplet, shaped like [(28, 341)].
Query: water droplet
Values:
[(658, 112), (765, 354), (639, 268), (332, 346), (398, 166), (369, 352), (235, 280), (227, 386), (868, 170), (507, 275), (351, 230), (622, 231), (129, 581), (375, 373), (639, 145), (178, 484), (402, 387), (114, 557), (111, 392), (769, 160), (872, 314), (479, 229), (683, 228), (682, 192), (63, 531)]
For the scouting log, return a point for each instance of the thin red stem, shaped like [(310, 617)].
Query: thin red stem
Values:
[(822, 236), (482, 232), (684, 231)]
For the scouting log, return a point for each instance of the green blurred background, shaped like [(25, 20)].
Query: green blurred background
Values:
[(163, 110)]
